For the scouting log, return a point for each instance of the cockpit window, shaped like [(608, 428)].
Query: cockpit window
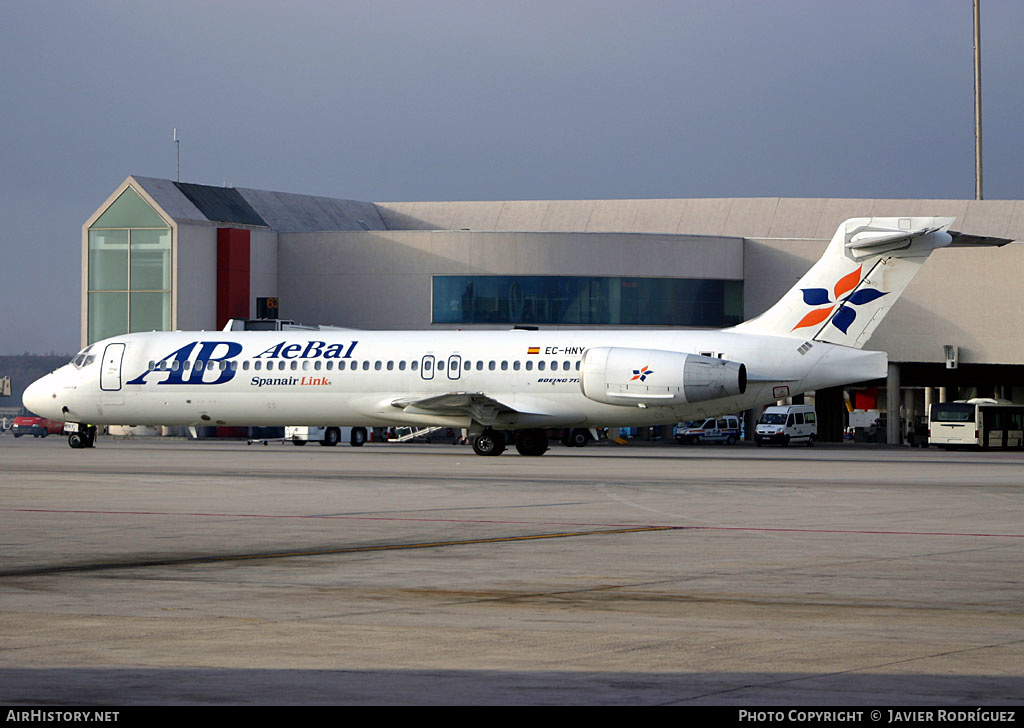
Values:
[(84, 358)]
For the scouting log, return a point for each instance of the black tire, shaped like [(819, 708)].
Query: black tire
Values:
[(298, 443), (75, 441), (332, 436), (358, 438), (489, 443), (578, 438), (731, 440), (531, 442), (810, 441)]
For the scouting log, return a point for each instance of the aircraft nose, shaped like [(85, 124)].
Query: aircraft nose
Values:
[(38, 397)]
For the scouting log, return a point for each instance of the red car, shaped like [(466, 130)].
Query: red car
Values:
[(29, 423)]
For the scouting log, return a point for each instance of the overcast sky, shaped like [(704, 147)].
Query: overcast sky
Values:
[(385, 100)]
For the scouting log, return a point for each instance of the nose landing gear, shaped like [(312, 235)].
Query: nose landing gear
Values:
[(84, 436)]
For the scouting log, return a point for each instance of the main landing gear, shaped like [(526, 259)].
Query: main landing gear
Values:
[(528, 442), (531, 442), (489, 442)]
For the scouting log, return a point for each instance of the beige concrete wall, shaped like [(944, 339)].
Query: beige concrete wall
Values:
[(262, 267), (751, 217), (383, 280), (964, 297), (967, 297), (195, 278)]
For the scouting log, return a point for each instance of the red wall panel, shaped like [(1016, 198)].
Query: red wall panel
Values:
[(232, 275)]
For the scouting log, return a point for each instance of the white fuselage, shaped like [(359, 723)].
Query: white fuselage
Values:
[(351, 377)]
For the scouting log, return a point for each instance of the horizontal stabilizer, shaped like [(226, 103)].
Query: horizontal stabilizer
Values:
[(965, 240)]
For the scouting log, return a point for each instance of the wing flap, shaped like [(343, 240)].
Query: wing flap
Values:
[(482, 408)]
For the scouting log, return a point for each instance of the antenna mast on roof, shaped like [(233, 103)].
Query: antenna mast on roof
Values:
[(977, 100), (177, 148)]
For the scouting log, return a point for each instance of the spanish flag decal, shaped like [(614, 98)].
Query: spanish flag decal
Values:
[(533, 350)]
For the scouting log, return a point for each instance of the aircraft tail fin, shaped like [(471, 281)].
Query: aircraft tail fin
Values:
[(847, 293)]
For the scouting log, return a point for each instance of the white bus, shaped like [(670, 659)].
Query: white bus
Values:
[(976, 423)]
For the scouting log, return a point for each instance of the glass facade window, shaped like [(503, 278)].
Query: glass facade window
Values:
[(108, 260), (587, 300), (129, 272), (149, 311), (150, 258), (108, 315)]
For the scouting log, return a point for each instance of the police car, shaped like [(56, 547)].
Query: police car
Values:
[(714, 429)]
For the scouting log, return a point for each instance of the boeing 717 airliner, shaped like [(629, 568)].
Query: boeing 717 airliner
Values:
[(495, 381)]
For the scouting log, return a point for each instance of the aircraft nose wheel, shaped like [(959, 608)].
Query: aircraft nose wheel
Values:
[(489, 442), (85, 438)]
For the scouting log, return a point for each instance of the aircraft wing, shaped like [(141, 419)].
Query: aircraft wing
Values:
[(481, 407)]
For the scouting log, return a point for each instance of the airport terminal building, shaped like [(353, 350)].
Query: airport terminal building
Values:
[(164, 255)]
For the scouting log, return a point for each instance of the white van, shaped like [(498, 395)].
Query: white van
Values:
[(784, 424)]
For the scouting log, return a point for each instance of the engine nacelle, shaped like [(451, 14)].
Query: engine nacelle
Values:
[(652, 377)]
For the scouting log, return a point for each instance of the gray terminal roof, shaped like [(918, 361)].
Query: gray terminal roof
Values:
[(749, 217), (281, 211)]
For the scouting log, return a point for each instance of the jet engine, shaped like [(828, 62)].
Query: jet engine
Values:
[(652, 377)]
